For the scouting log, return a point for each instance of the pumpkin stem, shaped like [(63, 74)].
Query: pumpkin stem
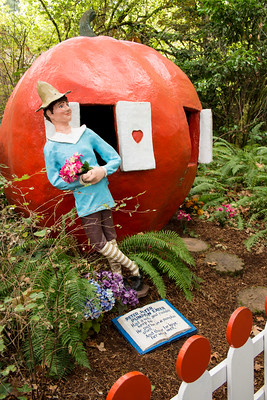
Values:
[(85, 21)]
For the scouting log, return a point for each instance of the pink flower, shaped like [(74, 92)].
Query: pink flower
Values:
[(71, 168), (183, 215), (228, 209)]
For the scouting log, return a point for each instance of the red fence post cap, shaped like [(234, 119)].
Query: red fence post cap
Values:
[(193, 358), (239, 327), (131, 386)]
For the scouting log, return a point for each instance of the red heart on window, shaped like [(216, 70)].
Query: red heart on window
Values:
[(137, 136)]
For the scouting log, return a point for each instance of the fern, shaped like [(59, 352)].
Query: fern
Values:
[(44, 297), (235, 176), (253, 239), (162, 252), (60, 314), (149, 270)]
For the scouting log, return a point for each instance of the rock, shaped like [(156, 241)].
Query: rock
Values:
[(224, 262), (253, 298), (195, 245)]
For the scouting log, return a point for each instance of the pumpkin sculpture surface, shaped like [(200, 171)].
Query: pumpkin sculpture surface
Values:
[(103, 74)]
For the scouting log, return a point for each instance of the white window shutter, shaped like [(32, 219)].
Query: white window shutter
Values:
[(134, 131), (205, 139), (74, 123)]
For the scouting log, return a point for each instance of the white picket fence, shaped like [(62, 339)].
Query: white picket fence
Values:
[(236, 371)]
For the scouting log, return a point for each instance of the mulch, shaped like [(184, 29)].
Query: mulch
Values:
[(111, 356)]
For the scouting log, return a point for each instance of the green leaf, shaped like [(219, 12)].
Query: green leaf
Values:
[(86, 326), (8, 299), (5, 389), (30, 306), (96, 326), (25, 388), (36, 295), (2, 346), (41, 233), (7, 370), (23, 178), (35, 318), (19, 308)]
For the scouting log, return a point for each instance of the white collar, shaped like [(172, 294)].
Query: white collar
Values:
[(72, 137)]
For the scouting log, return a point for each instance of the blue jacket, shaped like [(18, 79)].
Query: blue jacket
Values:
[(89, 198)]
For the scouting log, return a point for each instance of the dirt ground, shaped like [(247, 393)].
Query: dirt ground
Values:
[(111, 356)]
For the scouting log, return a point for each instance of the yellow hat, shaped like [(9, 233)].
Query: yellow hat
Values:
[(48, 94)]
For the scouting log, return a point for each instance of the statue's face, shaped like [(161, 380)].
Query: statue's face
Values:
[(61, 113)]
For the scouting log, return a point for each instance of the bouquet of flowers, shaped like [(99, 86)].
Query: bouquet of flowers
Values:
[(73, 168)]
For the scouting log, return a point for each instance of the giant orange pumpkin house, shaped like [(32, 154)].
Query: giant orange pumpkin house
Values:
[(137, 100)]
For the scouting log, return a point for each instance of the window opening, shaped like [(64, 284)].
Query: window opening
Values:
[(100, 118), (193, 120)]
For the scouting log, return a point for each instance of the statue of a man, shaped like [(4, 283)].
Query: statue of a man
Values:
[(93, 199)]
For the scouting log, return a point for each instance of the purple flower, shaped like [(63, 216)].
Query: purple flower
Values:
[(114, 282)]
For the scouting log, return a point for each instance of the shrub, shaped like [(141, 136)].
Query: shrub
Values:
[(238, 177)]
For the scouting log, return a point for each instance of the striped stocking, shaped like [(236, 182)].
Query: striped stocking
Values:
[(113, 253), (115, 266)]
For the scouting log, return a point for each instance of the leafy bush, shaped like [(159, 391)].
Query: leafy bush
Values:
[(237, 177), (43, 296), (42, 301)]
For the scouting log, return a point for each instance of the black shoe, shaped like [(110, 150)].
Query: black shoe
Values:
[(136, 282), (138, 285), (126, 284)]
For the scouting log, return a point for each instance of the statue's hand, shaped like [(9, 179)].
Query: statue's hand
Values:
[(94, 175)]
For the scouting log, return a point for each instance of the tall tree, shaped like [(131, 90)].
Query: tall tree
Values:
[(219, 44), (222, 51)]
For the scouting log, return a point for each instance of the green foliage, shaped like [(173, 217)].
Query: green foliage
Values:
[(223, 50), (236, 176), (219, 44), (232, 171), (242, 167), (44, 304), (42, 300), (56, 335), (159, 253), (24, 35), (253, 239)]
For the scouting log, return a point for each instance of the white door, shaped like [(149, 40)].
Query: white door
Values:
[(134, 131)]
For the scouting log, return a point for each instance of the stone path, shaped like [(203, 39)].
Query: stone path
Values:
[(223, 262), (195, 245), (253, 298)]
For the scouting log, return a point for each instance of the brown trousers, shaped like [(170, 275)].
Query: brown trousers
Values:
[(99, 228)]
